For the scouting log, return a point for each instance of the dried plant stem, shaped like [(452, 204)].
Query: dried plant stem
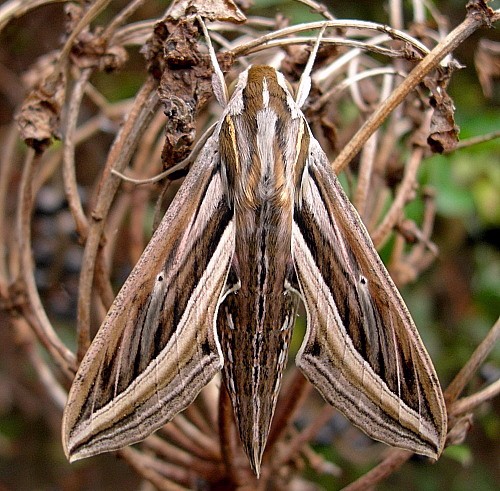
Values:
[(475, 140), (183, 458), (467, 404), (32, 308), (25, 337), (263, 41), (144, 465), (121, 18), (69, 168), (475, 361), (295, 445), (394, 460), (368, 155), (197, 417), (318, 8), (190, 438), (6, 161), (429, 63), (16, 8), (396, 210)]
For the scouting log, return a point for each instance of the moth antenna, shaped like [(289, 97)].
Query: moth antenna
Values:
[(305, 79), (218, 82)]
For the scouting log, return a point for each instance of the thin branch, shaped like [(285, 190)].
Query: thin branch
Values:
[(182, 458), (302, 438), (318, 8), (247, 48), (33, 309), (395, 459), (6, 169), (119, 19), (25, 337), (190, 439), (69, 171), (475, 361), (17, 8), (429, 63), (467, 404), (144, 465), (405, 189), (475, 140)]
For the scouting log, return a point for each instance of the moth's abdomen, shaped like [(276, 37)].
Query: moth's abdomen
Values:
[(255, 320)]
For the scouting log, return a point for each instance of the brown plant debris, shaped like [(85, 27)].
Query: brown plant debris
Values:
[(221, 10), (443, 134), (185, 77), (39, 117)]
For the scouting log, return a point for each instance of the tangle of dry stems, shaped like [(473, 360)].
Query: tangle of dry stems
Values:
[(393, 116)]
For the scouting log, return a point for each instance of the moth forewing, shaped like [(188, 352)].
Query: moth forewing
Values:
[(158, 347), (361, 350)]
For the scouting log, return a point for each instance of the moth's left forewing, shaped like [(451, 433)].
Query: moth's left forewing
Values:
[(157, 347), (361, 350)]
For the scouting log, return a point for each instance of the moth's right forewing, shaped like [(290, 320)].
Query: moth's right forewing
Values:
[(361, 350), (158, 347)]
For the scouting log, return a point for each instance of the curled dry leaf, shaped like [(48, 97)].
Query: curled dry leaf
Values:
[(39, 117), (91, 49), (487, 62), (220, 10), (443, 134), (185, 81), (185, 74)]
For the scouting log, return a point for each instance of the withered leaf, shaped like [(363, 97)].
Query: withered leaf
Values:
[(39, 117), (443, 135), (221, 10), (185, 81)]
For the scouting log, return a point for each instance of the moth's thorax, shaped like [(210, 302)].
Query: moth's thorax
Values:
[(263, 141)]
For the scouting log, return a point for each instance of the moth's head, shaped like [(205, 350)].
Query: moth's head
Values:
[(255, 77)]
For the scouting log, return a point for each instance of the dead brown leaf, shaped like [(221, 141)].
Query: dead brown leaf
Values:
[(220, 10), (443, 134), (39, 117)]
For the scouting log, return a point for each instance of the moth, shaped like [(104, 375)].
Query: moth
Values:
[(259, 224)]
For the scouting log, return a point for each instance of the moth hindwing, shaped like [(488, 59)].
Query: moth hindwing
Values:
[(259, 223)]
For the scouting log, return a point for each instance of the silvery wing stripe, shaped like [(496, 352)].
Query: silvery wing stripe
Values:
[(361, 350), (158, 347)]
